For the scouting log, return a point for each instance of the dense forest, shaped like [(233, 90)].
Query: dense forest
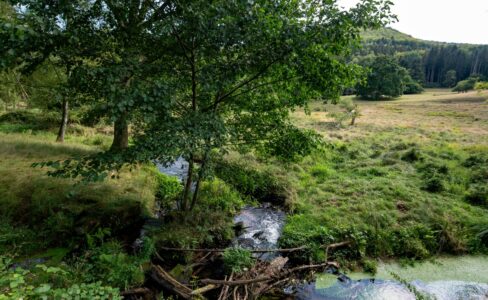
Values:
[(434, 64)]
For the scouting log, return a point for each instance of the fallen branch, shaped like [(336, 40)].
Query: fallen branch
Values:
[(268, 278), (204, 289), (225, 290), (334, 246), (223, 250), (165, 279)]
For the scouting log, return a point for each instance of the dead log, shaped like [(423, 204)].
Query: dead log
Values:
[(166, 280)]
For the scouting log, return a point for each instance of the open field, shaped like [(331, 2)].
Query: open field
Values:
[(462, 116), (403, 182)]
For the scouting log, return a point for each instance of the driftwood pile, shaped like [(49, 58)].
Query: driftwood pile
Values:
[(264, 277), (261, 279)]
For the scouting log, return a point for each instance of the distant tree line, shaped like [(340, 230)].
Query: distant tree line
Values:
[(433, 64)]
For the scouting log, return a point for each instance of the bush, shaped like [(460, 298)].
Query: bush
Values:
[(370, 266), (292, 144), (481, 86), (465, 85), (216, 195), (413, 87), (168, 190), (237, 259), (348, 111)]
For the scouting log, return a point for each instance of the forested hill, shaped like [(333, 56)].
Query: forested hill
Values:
[(434, 64)]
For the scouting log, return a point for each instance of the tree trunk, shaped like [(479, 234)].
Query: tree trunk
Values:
[(121, 134), (199, 179), (189, 181), (64, 122)]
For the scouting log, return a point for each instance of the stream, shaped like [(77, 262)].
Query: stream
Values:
[(261, 226), (449, 278), (445, 278)]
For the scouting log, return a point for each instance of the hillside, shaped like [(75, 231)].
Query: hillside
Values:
[(386, 33), (433, 59)]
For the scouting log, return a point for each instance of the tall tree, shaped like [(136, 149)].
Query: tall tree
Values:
[(232, 72), (386, 79)]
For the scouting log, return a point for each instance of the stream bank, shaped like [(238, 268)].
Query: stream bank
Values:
[(261, 228)]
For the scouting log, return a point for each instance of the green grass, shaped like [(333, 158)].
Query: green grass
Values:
[(395, 184), (58, 210)]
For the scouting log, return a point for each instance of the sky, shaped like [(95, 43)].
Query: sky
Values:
[(457, 21)]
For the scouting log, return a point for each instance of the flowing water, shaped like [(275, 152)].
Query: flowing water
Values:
[(454, 278), (448, 278), (261, 225), (178, 168), (261, 228)]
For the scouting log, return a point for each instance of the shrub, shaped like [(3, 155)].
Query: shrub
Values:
[(348, 111), (481, 85), (476, 160), (168, 190), (465, 85), (216, 195), (209, 224), (292, 144), (237, 259), (412, 87), (370, 266)]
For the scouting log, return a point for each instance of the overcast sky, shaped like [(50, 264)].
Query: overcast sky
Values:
[(460, 21)]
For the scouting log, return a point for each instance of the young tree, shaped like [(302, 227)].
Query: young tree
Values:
[(386, 80), (450, 79), (41, 33), (232, 72)]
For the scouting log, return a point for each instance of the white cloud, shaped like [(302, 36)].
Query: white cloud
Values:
[(457, 21)]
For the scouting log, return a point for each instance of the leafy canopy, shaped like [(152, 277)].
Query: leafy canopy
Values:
[(386, 79), (202, 75)]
